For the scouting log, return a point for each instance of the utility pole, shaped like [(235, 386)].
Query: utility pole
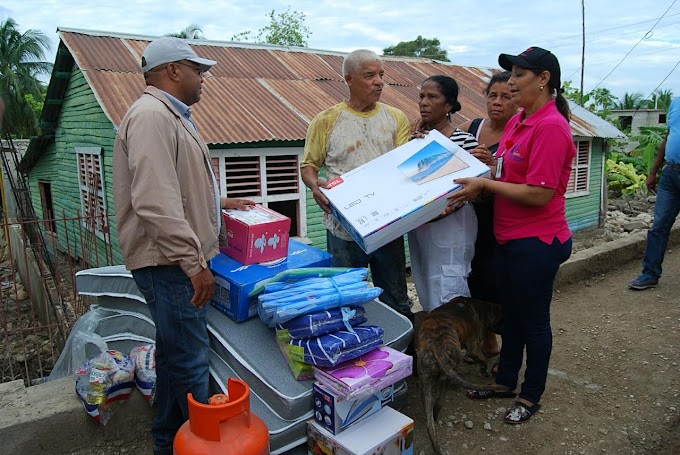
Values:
[(583, 45)]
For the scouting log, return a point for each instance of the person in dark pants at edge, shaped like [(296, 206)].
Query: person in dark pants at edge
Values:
[(500, 107), (667, 201), (533, 164), (167, 207), (344, 137)]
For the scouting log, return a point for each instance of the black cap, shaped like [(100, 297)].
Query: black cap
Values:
[(534, 58)]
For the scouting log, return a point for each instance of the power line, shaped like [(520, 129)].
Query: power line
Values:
[(631, 50), (664, 80), (595, 32)]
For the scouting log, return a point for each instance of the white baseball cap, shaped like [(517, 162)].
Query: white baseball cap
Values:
[(170, 49)]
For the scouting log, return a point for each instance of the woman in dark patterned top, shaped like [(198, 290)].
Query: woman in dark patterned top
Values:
[(500, 107), (441, 250)]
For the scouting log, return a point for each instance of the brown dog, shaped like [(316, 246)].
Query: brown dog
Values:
[(444, 332)]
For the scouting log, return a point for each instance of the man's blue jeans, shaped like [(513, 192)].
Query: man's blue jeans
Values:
[(388, 268), (182, 349), (665, 211), (525, 273)]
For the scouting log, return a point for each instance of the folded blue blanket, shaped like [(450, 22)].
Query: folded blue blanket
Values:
[(323, 322), (333, 348)]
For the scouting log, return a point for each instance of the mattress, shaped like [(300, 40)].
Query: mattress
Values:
[(114, 280), (250, 349)]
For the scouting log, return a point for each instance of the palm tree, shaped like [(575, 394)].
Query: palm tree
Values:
[(661, 99), (192, 31), (20, 66), (631, 101)]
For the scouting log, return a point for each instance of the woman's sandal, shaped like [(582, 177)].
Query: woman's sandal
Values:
[(485, 394), (521, 413)]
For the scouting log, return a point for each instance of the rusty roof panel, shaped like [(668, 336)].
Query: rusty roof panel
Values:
[(138, 47), (270, 93), (399, 72), (220, 118), (100, 52), (244, 62), (281, 122), (304, 96), (307, 65), (116, 91), (335, 62)]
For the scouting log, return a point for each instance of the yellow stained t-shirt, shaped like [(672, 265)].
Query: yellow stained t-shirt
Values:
[(342, 139)]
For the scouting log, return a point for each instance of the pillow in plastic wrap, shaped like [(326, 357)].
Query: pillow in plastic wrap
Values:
[(323, 322), (333, 348)]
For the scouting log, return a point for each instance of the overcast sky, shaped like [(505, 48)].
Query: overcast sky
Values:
[(473, 32)]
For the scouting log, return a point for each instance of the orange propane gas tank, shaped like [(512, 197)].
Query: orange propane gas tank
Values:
[(225, 427)]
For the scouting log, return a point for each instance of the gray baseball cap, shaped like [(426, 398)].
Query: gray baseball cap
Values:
[(170, 49)]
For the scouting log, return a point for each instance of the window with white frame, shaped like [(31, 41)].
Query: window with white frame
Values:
[(92, 194), (270, 177), (580, 169)]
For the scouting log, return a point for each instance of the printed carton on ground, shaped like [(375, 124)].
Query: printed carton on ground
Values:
[(387, 432)]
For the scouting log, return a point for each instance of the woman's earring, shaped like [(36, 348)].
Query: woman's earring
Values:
[(541, 87)]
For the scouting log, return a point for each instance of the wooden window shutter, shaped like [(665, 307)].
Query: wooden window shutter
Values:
[(242, 175), (580, 169), (282, 174)]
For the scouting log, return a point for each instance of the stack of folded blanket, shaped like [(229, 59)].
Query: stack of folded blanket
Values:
[(318, 320)]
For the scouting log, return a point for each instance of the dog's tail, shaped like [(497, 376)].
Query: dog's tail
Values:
[(453, 375)]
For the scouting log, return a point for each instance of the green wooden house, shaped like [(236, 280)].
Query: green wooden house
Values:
[(257, 103)]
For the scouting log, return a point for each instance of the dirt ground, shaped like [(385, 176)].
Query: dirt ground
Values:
[(614, 382), (613, 388)]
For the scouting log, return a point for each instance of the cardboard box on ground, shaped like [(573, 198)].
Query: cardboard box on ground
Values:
[(400, 190), (387, 432)]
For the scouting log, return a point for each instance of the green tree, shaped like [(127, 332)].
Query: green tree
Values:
[(661, 99), (20, 67), (191, 31), (419, 47), (631, 101), (284, 29)]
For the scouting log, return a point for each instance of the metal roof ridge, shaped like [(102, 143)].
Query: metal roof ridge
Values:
[(201, 42)]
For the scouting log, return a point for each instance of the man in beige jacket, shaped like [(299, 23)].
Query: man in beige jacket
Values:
[(167, 209)]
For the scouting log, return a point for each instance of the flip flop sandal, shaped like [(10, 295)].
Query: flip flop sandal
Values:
[(521, 413), (486, 394)]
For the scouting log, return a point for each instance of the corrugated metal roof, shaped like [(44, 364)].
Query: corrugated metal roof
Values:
[(587, 124), (270, 93)]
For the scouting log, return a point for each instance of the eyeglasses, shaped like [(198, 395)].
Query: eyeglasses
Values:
[(198, 69)]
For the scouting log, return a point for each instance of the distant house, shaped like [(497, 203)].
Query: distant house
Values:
[(633, 119), (257, 103)]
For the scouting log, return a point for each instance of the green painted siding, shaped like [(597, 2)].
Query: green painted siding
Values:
[(82, 123), (583, 211)]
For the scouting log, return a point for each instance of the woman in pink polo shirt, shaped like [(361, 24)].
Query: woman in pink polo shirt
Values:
[(534, 161)]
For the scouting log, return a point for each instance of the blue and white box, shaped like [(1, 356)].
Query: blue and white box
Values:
[(415, 182), (234, 281), (335, 413)]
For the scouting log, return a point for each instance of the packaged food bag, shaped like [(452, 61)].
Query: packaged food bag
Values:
[(144, 360), (104, 382)]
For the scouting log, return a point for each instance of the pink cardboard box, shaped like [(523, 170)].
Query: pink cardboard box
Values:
[(256, 235), (367, 374)]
